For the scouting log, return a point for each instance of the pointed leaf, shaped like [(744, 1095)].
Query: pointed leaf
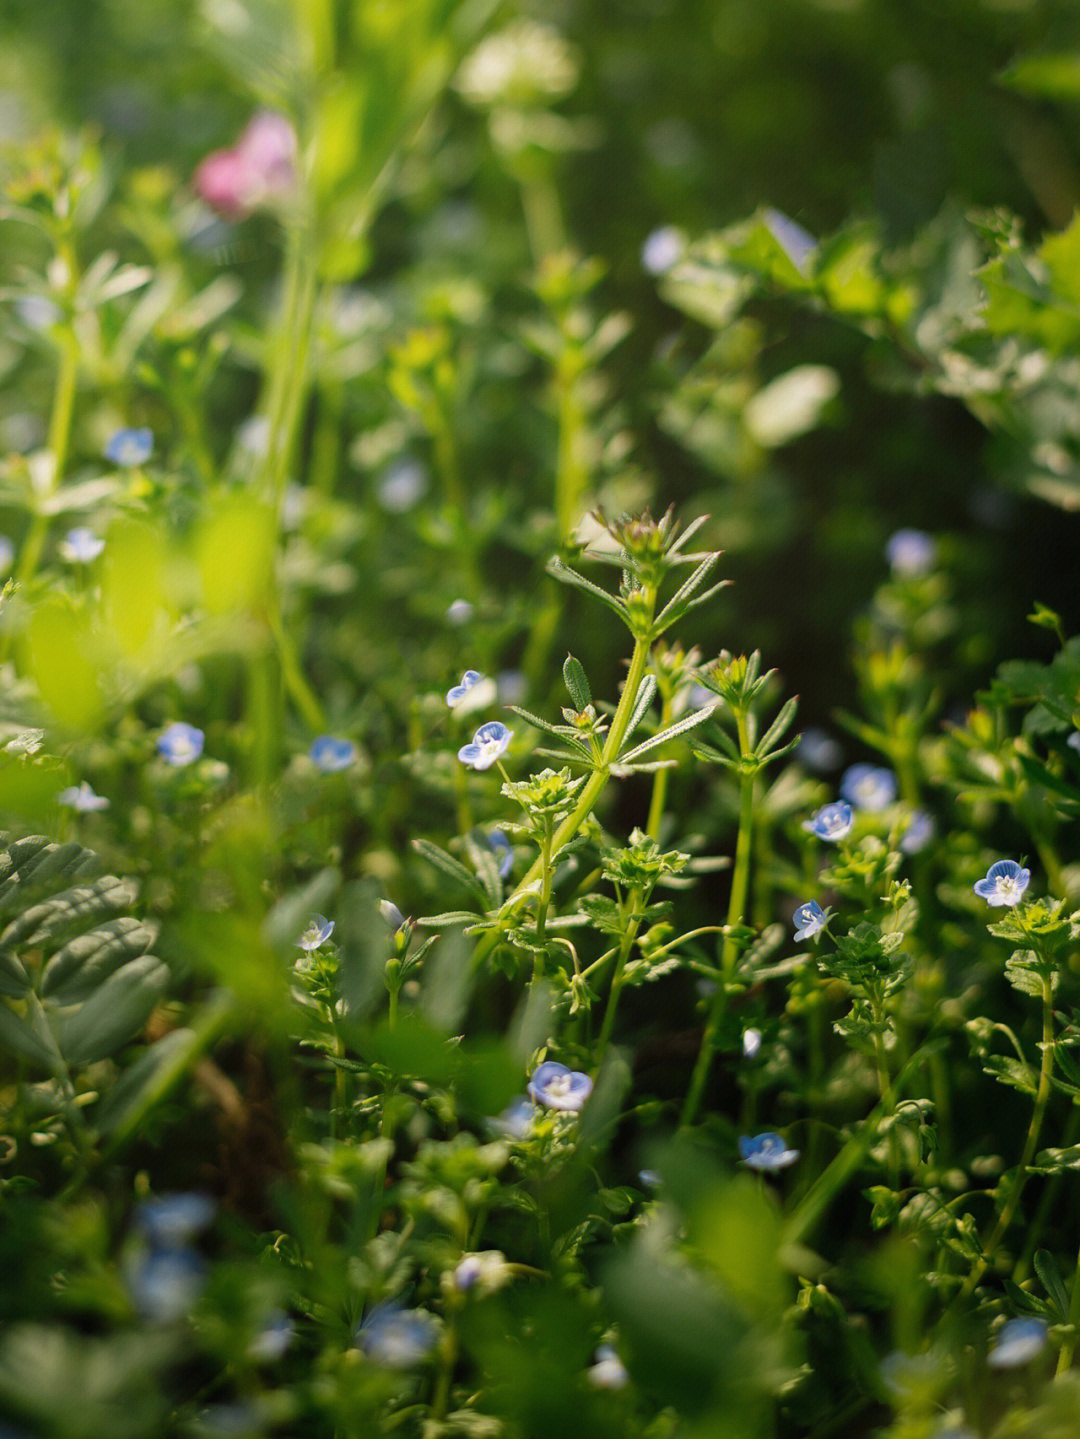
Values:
[(642, 701), (778, 727), (536, 721), (688, 722), (568, 576), (1047, 1270), (576, 682), (449, 865), (75, 971), (115, 1013)]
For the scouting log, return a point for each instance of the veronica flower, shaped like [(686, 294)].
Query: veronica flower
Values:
[(501, 848), (317, 933), (80, 546), (489, 743), (516, 1120), (919, 833), (482, 1273), (911, 553), (397, 1338), (832, 821), (663, 249), (166, 1283), (868, 786), (130, 448), (1073, 741), (273, 1340), (172, 1220), (560, 1088), (797, 244), (1004, 883), (180, 743), (457, 692), (751, 1043), (460, 612), (391, 914), (329, 754), (766, 1151), (649, 1178), (7, 553), (608, 1371), (809, 919), (818, 751), (81, 797), (1017, 1342)]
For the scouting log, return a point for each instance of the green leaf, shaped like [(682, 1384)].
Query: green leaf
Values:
[(14, 981), (576, 682), (688, 722), (75, 971), (114, 1014), (778, 727), (17, 1037), (451, 916), (642, 701), (450, 866), (1047, 1270), (567, 576), (1052, 76), (1014, 1073), (70, 909)]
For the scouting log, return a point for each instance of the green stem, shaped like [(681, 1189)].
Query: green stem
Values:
[(616, 988), (740, 882), (1068, 1347), (658, 801), (545, 901)]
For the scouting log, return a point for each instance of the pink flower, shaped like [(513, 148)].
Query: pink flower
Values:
[(258, 170)]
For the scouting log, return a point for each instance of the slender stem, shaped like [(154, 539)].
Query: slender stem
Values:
[(616, 988), (545, 901), (740, 882), (1068, 1347), (658, 801)]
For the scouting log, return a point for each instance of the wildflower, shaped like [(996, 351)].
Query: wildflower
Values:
[(1004, 884), (397, 1338), (608, 1371), (751, 1042), (809, 919), (516, 1120), (832, 821), (166, 1283), (489, 743), (272, 1341), (171, 1220), (80, 545), (1017, 1342), (130, 448), (401, 486), (500, 847), (797, 244), (460, 612), (919, 833), (481, 1273), (511, 686), (81, 797), (663, 250), (180, 743), (911, 553), (766, 1151), (818, 751), (457, 692), (868, 786), (649, 1178), (391, 914), (330, 754), (7, 553), (317, 933), (1073, 741), (560, 1088), (257, 171)]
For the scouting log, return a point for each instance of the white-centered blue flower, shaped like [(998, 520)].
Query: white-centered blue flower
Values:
[(607, 1371), (516, 1120), (165, 1284), (911, 553), (818, 751), (401, 486), (649, 1178), (81, 546), (557, 1087), (317, 933), (919, 833), (1004, 883), (81, 797), (489, 743), (171, 1221), (502, 850), (274, 1339), (766, 1152), (397, 1338), (482, 1273), (456, 693), (809, 919), (663, 249), (130, 448), (330, 754), (460, 612), (832, 821), (1017, 1343), (392, 916), (868, 786), (1073, 741), (180, 743)]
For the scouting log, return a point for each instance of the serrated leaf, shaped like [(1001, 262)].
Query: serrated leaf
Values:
[(114, 1014), (576, 682), (536, 721), (688, 722), (1012, 1072)]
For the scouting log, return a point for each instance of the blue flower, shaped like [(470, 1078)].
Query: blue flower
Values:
[(818, 751), (608, 1371), (391, 915), (80, 546), (460, 612), (129, 448), (809, 919), (911, 553), (317, 933), (81, 797), (180, 743), (7, 553), (1018, 1341), (171, 1220), (456, 693), (663, 249), (166, 1283), (489, 743), (516, 1120), (397, 1338), (751, 1043), (869, 787), (330, 754), (1004, 884), (919, 833), (797, 244), (766, 1151), (832, 821), (484, 1273), (1073, 741), (501, 848), (560, 1088), (273, 1340)]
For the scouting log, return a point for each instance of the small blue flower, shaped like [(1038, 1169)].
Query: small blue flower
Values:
[(1073, 741), (501, 848), (484, 1272), (317, 933), (751, 1043), (911, 553), (172, 1220), (809, 919), (81, 797), (511, 687), (818, 751), (797, 244), (81, 546), (868, 786), (560, 1088), (1018, 1341), (460, 612), (273, 1340), (1004, 884), (516, 1120), (608, 1371), (458, 692), (7, 553), (397, 1338), (832, 821), (180, 743), (919, 833), (166, 1283), (489, 743), (330, 754), (766, 1151), (402, 485), (391, 914), (663, 249), (649, 1178), (130, 448)]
